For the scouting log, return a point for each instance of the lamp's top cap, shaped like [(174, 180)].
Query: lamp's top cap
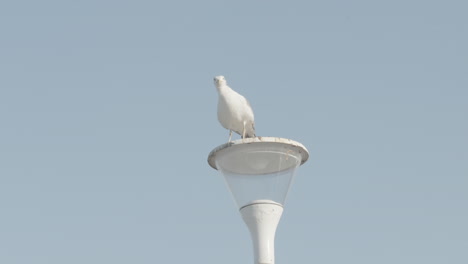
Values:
[(281, 144)]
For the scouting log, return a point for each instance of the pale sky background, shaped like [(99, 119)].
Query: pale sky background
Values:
[(108, 113)]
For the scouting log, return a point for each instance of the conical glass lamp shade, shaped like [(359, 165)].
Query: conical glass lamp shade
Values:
[(259, 169)]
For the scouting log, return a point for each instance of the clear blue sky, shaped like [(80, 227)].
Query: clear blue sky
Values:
[(108, 113)]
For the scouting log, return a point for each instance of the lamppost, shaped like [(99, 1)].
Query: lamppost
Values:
[(258, 172)]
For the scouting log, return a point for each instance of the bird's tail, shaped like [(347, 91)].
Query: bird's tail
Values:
[(250, 133)]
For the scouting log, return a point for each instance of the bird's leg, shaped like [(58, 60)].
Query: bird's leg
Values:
[(230, 135), (243, 131)]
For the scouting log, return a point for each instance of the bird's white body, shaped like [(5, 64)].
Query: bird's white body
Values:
[(234, 111)]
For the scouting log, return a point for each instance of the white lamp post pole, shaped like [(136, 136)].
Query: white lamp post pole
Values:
[(258, 171), (262, 218)]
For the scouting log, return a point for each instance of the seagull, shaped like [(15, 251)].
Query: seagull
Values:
[(234, 111)]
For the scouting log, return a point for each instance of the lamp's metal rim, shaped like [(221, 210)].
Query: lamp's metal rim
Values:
[(258, 140)]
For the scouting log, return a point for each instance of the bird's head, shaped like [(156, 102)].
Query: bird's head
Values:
[(219, 81)]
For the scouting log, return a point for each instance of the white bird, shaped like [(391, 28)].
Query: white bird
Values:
[(234, 111)]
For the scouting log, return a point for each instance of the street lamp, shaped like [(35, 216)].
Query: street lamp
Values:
[(258, 172)]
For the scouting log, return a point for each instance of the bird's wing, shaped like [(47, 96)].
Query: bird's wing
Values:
[(248, 103)]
